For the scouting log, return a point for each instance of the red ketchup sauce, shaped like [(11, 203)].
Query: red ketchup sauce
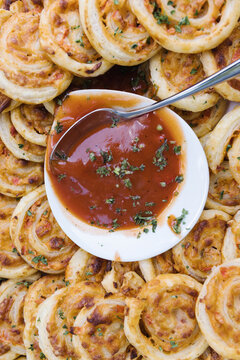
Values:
[(118, 175)]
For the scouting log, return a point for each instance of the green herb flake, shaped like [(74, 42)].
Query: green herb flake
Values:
[(20, 146), (61, 314), (61, 177), (159, 160), (29, 213), (107, 156), (228, 147), (14, 250), (134, 46), (221, 194), (42, 356), (31, 347), (177, 150), (110, 201), (127, 183), (40, 258), (151, 203), (92, 156), (159, 127), (179, 178), (88, 273), (115, 121), (177, 223), (59, 102), (58, 127), (103, 171), (163, 184), (173, 344)]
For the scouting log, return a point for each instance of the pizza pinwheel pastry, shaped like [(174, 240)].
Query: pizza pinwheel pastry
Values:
[(84, 266), (11, 264), (99, 331), (187, 27), (37, 293), (172, 72), (231, 245), (124, 277), (161, 323), (201, 249), (12, 295), (63, 39), (115, 32), (216, 59), (18, 176), (224, 191), (56, 315), (37, 236), (7, 104), (217, 309), (160, 264), (202, 122), (32, 122), (19, 147), (234, 159), (26, 74), (219, 141)]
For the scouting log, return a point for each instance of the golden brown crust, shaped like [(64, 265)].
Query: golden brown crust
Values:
[(65, 42), (17, 176), (217, 309), (38, 237), (166, 307), (25, 72), (172, 72), (115, 32), (201, 249)]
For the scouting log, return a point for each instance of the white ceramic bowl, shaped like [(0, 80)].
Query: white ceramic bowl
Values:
[(123, 245)]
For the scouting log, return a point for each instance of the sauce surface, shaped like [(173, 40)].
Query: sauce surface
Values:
[(118, 175)]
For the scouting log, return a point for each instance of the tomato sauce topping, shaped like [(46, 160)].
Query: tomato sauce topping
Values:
[(119, 175)]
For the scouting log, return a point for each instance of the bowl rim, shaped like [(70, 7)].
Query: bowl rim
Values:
[(120, 245)]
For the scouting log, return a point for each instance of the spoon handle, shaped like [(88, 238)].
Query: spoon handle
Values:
[(226, 73)]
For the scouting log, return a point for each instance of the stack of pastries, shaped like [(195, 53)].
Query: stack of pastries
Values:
[(58, 302)]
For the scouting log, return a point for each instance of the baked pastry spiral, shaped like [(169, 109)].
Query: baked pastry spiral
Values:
[(223, 55), (124, 277), (233, 156), (210, 354), (26, 74), (63, 39), (160, 264), (165, 307), (37, 293), (231, 245), (7, 104), (202, 122), (18, 146), (17, 176), (37, 236), (218, 143), (32, 122), (217, 309), (11, 264), (201, 249), (84, 266), (224, 191), (172, 72), (6, 353), (115, 32), (12, 294), (187, 27), (56, 316), (99, 331)]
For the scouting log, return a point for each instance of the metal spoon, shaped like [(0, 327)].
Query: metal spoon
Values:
[(105, 115)]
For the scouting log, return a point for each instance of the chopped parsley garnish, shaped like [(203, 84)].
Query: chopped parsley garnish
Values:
[(110, 201), (40, 258), (58, 127), (92, 156), (150, 204), (159, 160), (179, 178), (161, 18), (163, 184), (117, 31), (127, 183), (115, 225), (194, 71), (99, 330), (75, 27), (59, 102), (25, 283), (80, 41), (221, 194), (42, 356), (173, 344), (159, 127), (14, 250), (107, 156), (61, 314), (184, 21), (115, 121), (103, 171), (134, 46), (88, 273), (177, 150), (177, 222), (142, 219), (29, 213), (228, 147), (31, 347), (92, 207), (20, 146), (61, 177)]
